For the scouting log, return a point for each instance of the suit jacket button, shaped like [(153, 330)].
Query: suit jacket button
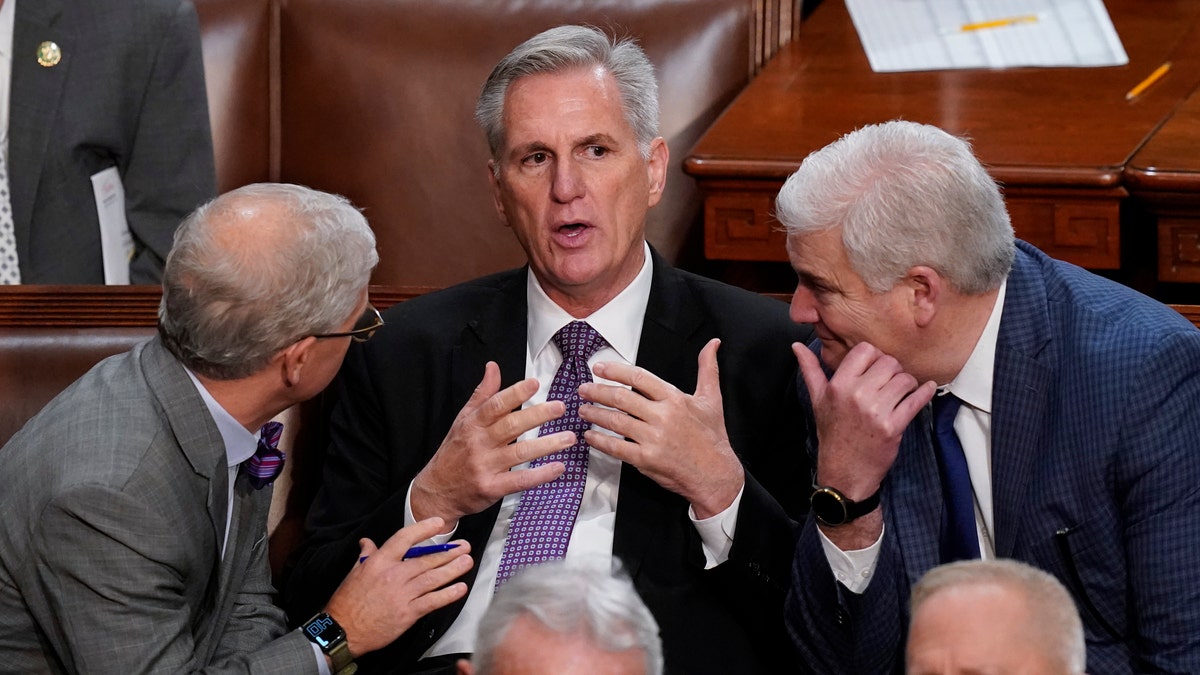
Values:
[(840, 616)]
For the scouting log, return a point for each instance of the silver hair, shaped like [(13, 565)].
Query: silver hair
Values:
[(226, 310), (1059, 627), (905, 194), (567, 48), (572, 598)]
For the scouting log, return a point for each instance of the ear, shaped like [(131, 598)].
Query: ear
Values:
[(656, 169), (926, 288), (292, 360), (497, 194)]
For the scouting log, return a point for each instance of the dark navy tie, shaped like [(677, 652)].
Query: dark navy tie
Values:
[(959, 540)]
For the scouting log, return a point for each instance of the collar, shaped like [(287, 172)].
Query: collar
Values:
[(973, 384), (619, 321), (240, 444)]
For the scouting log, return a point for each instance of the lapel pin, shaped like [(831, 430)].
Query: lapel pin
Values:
[(48, 54)]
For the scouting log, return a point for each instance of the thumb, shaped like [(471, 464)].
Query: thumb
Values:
[(487, 387), (810, 369), (708, 377)]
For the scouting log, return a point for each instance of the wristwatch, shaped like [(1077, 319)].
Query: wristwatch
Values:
[(325, 633), (833, 508)]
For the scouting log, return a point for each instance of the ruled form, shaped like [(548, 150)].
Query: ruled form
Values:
[(907, 35)]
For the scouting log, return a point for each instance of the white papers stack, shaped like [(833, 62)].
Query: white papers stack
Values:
[(905, 35)]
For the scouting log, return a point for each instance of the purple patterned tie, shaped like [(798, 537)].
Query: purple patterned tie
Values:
[(264, 465), (540, 528)]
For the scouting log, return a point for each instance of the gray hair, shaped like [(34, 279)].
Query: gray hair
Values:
[(568, 48), (1058, 627), (572, 598), (905, 194), (228, 305)]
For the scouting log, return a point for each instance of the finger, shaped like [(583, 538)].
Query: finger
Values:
[(487, 387), (529, 450), (615, 421), (522, 479), (708, 379), (639, 379), (627, 401), (810, 369), (406, 537), (912, 404), (516, 422), (614, 446), (506, 400)]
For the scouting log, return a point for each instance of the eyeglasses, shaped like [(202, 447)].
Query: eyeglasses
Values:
[(364, 328)]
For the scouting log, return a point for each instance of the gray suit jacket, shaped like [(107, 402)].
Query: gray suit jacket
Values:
[(115, 499), (128, 92)]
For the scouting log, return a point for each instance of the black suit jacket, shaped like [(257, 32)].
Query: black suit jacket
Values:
[(128, 92), (398, 394)]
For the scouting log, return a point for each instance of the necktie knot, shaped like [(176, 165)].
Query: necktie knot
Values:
[(945, 408), (578, 340), (266, 463)]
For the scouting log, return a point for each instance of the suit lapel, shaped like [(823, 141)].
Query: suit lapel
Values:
[(668, 345), (913, 499), (1024, 371), (35, 95)]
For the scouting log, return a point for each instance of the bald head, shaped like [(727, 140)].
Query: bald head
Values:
[(996, 616)]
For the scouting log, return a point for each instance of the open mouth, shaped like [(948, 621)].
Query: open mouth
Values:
[(572, 229)]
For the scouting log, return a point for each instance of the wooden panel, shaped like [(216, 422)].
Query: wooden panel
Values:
[(1058, 139)]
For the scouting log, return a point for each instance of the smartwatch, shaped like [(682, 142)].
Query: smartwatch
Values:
[(325, 633), (833, 508)]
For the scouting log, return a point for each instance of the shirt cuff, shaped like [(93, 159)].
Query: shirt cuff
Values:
[(409, 519), (853, 568), (322, 662), (716, 533)]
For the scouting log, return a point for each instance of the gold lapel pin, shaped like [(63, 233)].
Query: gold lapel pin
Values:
[(49, 54)]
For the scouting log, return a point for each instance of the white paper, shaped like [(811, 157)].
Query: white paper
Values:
[(115, 239), (908, 35)]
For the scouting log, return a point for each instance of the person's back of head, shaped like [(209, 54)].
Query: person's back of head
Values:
[(258, 268), (567, 617), (993, 616)]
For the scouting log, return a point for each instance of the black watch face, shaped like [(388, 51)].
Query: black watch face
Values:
[(324, 631), (828, 506)]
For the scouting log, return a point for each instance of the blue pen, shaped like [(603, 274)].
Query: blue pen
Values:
[(418, 551)]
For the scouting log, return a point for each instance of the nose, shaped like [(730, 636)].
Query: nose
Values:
[(804, 305), (567, 181)]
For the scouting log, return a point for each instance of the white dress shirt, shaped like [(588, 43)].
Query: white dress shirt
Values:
[(620, 323), (973, 424)]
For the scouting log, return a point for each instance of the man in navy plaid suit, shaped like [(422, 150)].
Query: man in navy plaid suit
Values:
[(1079, 419)]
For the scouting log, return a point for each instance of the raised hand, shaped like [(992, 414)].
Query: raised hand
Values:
[(676, 439), (470, 470)]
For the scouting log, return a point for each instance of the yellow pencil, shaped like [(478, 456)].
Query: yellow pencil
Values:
[(1150, 80), (999, 23)]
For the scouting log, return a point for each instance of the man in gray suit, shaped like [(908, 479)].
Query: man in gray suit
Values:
[(134, 537), (112, 86)]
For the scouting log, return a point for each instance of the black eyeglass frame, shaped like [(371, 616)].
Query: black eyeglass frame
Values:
[(359, 334)]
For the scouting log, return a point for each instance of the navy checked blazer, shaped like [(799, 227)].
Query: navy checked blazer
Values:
[(1096, 479)]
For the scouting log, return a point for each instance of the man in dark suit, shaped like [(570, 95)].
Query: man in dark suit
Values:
[(1064, 433), (693, 493), (135, 504), (99, 85)]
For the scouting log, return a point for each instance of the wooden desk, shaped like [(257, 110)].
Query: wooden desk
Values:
[(1165, 176), (1057, 138)]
